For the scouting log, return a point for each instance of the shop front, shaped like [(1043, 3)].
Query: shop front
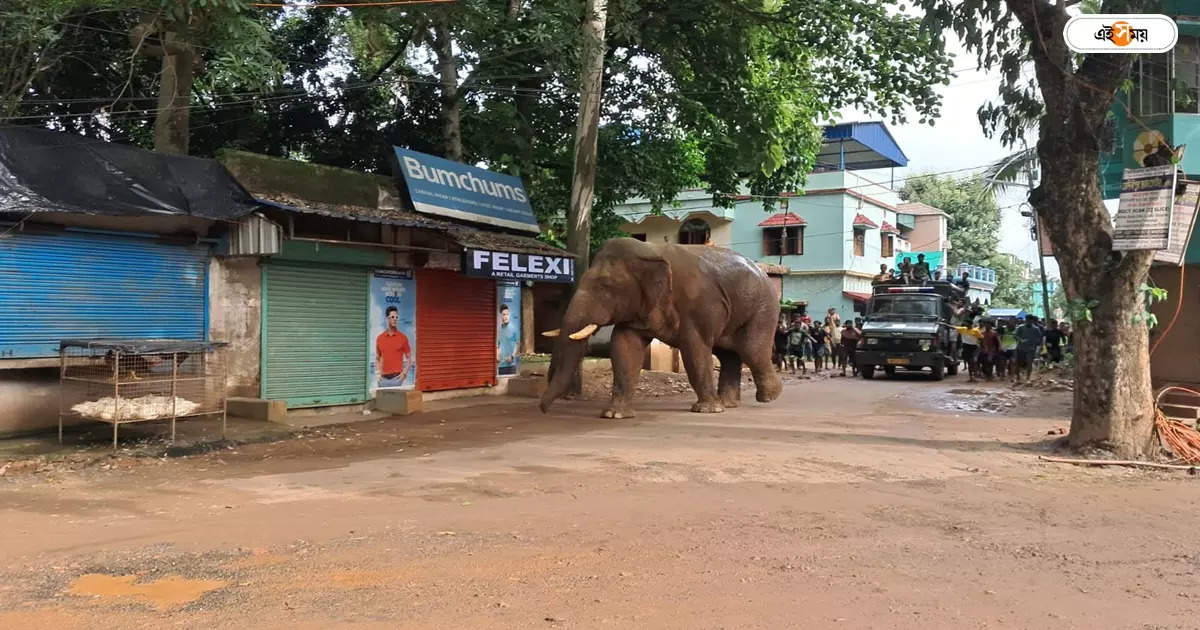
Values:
[(367, 295)]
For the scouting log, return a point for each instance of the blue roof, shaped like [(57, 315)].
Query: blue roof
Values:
[(859, 146)]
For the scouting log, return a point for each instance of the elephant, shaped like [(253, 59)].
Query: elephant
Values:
[(701, 299)]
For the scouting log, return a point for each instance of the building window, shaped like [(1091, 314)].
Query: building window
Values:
[(1151, 91), (887, 245), (860, 242), (694, 232), (783, 241), (640, 237)]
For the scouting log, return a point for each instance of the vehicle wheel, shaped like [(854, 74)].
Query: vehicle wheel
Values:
[(868, 371), (952, 369), (890, 371), (938, 369)]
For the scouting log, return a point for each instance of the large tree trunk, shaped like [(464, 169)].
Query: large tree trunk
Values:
[(171, 125), (1114, 404), (451, 103)]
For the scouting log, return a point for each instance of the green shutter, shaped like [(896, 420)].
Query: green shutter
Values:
[(314, 334)]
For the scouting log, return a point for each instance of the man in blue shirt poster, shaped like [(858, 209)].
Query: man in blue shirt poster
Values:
[(508, 337)]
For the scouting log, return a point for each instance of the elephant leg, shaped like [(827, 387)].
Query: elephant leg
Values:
[(755, 350), (627, 349), (729, 385), (697, 360)]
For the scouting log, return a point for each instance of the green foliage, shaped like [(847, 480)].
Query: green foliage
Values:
[(1011, 291), (713, 93), (1150, 295), (974, 226), (974, 230)]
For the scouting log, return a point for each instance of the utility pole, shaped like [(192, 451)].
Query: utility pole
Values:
[(1037, 228), (583, 181)]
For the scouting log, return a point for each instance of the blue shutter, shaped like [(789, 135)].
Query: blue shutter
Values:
[(61, 286)]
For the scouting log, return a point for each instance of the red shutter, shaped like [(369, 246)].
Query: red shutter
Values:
[(456, 331)]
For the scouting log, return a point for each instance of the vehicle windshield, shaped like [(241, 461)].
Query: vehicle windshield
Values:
[(884, 307)]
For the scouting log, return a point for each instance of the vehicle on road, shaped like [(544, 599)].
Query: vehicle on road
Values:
[(909, 327)]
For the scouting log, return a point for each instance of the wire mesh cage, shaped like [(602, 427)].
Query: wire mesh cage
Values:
[(125, 381)]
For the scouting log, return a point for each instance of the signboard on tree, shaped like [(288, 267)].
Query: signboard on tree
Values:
[(1182, 223), (1144, 212)]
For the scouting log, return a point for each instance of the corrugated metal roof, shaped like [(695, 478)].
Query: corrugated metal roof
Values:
[(461, 234), (860, 145)]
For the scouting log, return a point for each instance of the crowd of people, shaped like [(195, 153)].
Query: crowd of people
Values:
[(989, 349), (1010, 349), (909, 272), (827, 344)]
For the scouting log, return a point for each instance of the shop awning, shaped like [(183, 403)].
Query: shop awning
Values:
[(463, 235), (863, 222), (857, 297), (783, 219), (50, 171)]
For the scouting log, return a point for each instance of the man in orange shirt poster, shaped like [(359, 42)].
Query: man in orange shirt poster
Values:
[(393, 353)]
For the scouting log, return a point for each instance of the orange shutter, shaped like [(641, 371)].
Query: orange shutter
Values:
[(456, 331)]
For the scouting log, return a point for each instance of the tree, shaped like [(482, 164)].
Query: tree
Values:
[(1069, 99), (35, 37), (974, 230)]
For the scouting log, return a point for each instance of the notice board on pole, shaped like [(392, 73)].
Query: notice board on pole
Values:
[(1144, 213), (1183, 221)]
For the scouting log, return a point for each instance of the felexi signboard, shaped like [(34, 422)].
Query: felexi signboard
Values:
[(1182, 223), (1144, 212), (486, 263), (451, 189)]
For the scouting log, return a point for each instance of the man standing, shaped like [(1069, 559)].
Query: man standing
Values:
[(1054, 342), (393, 354), (834, 323), (1029, 343), (850, 336), (970, 337), (507, 339), (964, 282)]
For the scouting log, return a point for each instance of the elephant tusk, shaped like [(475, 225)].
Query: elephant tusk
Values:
[(585, 332), (550, 333)]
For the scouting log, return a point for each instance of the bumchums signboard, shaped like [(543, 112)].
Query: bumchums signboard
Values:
[(392, 330), (460, 191)]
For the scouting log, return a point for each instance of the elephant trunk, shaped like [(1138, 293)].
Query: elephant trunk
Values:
[(582, 320)]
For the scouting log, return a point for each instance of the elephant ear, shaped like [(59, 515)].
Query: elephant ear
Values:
[(657, 284)]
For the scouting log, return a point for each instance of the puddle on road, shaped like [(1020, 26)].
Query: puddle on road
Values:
[(981, 400), (163, 594)]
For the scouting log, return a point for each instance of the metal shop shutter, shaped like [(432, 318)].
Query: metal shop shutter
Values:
[(314, 334), (456, 331), (79, 285)]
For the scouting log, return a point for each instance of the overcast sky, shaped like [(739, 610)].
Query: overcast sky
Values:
[(956, 141)]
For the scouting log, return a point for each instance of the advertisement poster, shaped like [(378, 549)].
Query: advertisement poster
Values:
[(392, 330), (508, 327), (1144, 212)]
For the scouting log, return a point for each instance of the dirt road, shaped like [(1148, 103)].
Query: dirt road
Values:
[(845, 504)]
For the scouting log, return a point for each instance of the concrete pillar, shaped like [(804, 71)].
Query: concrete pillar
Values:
[(527, 330)]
